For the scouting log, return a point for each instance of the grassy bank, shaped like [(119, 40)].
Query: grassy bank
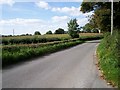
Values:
[(109, 57)]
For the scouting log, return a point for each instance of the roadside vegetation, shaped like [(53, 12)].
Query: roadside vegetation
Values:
[(109, 54), (18, 52), (11, 55), (109, 49)]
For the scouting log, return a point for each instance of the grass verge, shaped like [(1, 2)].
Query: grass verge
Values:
[(109, 57)]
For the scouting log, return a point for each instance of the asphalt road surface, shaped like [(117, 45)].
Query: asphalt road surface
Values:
[(70, 68)]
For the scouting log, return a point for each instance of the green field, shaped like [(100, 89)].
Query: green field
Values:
[(41, 38)]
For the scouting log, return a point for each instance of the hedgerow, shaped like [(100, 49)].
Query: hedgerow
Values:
[(109, 57), (10, 56)]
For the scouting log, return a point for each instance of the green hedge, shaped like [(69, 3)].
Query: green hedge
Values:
[(28, 40), (88, 38), (14, 56), (109, 57)]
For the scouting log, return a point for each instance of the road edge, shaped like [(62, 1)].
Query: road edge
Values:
[(100, 72)]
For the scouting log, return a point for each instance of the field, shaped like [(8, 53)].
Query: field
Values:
[(42, 38), (21, 48)]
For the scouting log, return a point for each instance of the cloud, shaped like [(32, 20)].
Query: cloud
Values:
[(43, 5), (9, 2), (73, 11), (60, 18), (20, 21)]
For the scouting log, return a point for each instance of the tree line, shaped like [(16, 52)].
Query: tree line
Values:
[(101, 19)]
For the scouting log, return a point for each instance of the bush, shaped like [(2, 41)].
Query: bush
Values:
[(59, 31), (49, 32), (37, 33)]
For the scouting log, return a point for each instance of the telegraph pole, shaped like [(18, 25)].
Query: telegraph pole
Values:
[(111, 17)]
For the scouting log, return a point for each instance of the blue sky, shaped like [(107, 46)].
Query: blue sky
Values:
[(28, 17)]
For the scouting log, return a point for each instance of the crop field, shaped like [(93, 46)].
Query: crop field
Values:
[(21, 48), (42, 38)]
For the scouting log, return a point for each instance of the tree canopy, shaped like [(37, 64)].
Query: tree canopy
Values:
[(49, 32), (59, 31), (102, 14), (73, 28), (37, 33), (116, 14)]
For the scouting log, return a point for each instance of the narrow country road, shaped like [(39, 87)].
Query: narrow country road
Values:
[(70, 68)]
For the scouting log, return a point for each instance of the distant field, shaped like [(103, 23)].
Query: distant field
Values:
[(41, 38), (90, 34), (52, 36)]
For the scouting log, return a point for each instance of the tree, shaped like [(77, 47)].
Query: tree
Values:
[(37, 33), (49, 32), (102, 14), (59, 31), (87, 28), (116, 14), (73, 28)]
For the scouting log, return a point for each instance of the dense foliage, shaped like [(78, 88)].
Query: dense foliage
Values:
[(49, 32), (116, 14), (102, 14), (59, 31), (73, 28), (109, 54), (37, 33)]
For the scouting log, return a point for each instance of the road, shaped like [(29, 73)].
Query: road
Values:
[(70, 68)]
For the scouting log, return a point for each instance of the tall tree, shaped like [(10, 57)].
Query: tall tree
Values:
[(116, 14), (102, 14), (73, 28)]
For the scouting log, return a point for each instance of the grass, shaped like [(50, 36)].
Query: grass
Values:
[(109, 57)]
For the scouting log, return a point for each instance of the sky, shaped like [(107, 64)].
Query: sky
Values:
[(38, 15)]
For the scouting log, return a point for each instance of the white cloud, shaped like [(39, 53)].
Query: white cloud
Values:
[(73, 11), (20, 21), (9, 2), (43, 5), (60, 18)]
